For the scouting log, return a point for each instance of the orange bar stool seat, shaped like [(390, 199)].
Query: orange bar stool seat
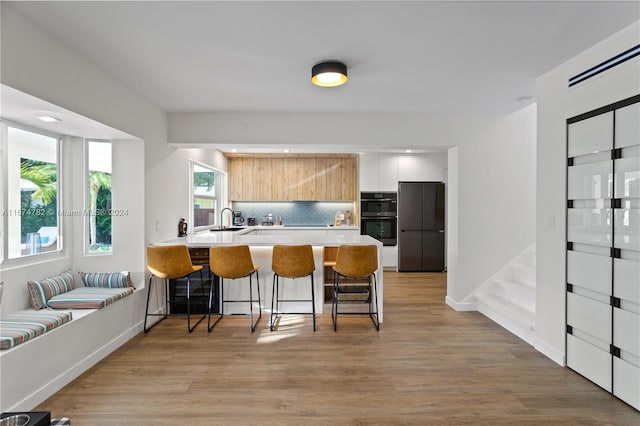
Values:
[(233, 262), (171, 263), (291, 261), (355, 269)]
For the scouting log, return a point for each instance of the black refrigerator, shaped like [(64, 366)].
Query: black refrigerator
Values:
[(421, 226)]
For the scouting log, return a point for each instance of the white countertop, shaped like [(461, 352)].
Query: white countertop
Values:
[(251, 236)]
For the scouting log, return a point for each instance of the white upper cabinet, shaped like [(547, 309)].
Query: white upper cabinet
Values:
[(370, 173), (421, 168), (383, 172), (388, 173)]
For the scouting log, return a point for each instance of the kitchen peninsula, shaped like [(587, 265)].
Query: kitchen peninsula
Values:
[(261, 239)]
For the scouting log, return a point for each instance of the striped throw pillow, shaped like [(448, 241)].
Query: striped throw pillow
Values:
[(43, 290), (106, 279)]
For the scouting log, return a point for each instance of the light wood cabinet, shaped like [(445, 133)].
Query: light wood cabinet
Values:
[(235, 179), (293, 178), (279, 189)]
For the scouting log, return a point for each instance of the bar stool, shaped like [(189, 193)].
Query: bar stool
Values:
[(354, 265), (233, 262), (295, 261), (170, 263)]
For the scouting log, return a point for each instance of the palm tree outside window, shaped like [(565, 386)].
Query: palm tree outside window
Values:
[(99, 217)]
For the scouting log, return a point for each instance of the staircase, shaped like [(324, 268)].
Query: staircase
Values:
[(509, 297)]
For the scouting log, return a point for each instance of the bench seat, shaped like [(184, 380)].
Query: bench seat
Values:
[(20, 327), (88, 297)]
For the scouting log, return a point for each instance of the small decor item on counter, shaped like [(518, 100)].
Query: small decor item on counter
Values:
[(238, 219), (348, 218), (268, 220), (182, 228), (251, 221), (339, 217), (278, 220)]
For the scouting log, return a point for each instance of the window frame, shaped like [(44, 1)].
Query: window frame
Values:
[(221, 194), (5, 260)]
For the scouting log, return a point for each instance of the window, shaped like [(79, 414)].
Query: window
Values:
[(99, 217), (32, 189), (206, 196)]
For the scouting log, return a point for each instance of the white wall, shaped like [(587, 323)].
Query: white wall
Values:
[(353, 131), (452, 235), (496, 202), (556, 103), (168, 189)]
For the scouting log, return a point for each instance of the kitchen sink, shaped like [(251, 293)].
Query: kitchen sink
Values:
[(231, 228), (306, 226)]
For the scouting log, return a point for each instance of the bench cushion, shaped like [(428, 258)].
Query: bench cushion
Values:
[(106, 279), (19, 327), (43, 290), (88, 298)]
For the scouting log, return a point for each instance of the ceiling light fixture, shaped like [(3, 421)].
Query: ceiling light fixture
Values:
[(329, 74), (48, 118)]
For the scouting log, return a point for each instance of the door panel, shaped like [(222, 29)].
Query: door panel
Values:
[(592, 135), (589, 316), (589, 271), (591, 362), (433, 206), (625, 280), (433, 251), (409, 206), (626, 382), (410, 251)]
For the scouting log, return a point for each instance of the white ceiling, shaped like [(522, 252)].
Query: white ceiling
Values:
[(424, 56)]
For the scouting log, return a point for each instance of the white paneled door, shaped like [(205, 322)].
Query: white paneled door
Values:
[(603, 248)]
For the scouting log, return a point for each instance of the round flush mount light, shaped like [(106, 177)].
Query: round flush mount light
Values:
[(329, 74)]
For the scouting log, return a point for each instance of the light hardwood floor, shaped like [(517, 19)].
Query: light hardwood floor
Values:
[(428, 365)]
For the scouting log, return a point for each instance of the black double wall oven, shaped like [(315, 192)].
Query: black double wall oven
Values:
[(379, 216)]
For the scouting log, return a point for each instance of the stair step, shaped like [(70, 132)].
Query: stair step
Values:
[(524, 273), (515, 312), (520, 323), (515, 292)]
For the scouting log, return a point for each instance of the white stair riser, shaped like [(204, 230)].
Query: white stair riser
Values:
[(525, 274), (516, 315), (509, 297), (517, 293)]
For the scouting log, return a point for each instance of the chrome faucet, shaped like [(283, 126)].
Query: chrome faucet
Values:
[(221, 213)]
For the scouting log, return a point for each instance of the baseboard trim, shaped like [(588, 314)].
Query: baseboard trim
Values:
[(45, 391), (461, 307), (551, 352)]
